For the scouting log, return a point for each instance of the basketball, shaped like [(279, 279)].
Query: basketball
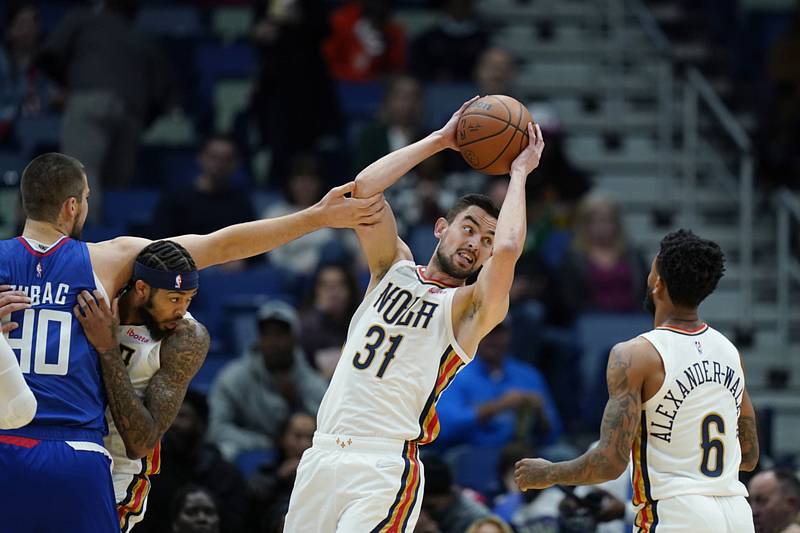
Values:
[(492, 132)]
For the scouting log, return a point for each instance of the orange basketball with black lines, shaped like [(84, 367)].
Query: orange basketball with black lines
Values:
[(492, 132)]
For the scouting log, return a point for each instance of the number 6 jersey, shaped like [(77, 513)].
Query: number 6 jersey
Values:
[(687, 442), (399, 357), (58, 362)]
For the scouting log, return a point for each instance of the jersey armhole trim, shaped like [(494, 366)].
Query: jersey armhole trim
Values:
[(664, 386), (448, 317)]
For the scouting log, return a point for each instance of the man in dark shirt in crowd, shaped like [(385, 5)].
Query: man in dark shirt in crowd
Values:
[(116, 80), (213, 202)]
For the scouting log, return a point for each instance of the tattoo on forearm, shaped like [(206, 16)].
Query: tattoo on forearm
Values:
[(132, 420), (748, 439), (621, 420)]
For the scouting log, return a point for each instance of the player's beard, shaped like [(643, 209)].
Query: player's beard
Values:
[(447, 266), (649, 303), (157, 333)]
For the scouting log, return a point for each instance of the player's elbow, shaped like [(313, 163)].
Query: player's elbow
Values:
[(507, 249), (19, 412), (750, 463), (136, 450)]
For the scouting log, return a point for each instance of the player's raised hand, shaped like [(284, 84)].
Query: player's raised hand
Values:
[(532, 474), (99, 321), (529, 158), (11, 301), (448, 131), (338, 210)]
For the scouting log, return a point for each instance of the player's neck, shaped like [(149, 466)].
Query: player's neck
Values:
[(432, 272), (676, 316), (43, 232)]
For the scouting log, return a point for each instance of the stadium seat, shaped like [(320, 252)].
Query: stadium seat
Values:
[(11, 166), (102, 232), (597, 334), (230, 98), (171, 130), (475, 467), (249, 461), (125, 207), (217, 61), (360, 101), (170, 21), (38, 134), (232, 23), (204, 378), (443, 99), (167, 167)]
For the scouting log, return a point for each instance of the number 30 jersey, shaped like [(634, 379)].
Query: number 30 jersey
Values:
[(688, 442), (399, 357), (58, 362)]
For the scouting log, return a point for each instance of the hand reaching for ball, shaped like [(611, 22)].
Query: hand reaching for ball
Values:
[(529, 158), (448, 131)]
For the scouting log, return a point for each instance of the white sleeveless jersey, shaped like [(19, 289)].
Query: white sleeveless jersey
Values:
[(688, 441), (399, 357)]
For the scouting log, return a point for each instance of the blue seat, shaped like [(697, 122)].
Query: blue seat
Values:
[(597, 334), (102, 232), (170, 21), (167, 167), (38, 134), (126, 207), (11, 166), (214, 61), (248, 461), (444, 99), (360, 101), (475, 467), (204, 378)]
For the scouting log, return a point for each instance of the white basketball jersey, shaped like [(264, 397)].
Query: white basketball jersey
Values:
[(688, 441), (400, 355), (142, 357)]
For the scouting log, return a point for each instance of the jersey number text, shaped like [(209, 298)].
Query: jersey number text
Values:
[(362, 362)]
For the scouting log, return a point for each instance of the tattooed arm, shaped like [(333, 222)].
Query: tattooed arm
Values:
[(748, 434), (142, 423), (628, 365)]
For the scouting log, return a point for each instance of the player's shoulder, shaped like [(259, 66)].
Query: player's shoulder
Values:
[(190, 332), (638, 351)]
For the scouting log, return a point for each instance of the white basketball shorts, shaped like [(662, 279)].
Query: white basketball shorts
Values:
[(695, 514)]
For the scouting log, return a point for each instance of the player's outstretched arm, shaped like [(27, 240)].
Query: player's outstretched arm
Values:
[(486, 302), (113, 260), (17, 403), (748, 434), (628, 364), (141, 423), (380, 243)]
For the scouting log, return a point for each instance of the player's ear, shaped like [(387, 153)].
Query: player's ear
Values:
[(142, 289), (440, 227), (659, 287)]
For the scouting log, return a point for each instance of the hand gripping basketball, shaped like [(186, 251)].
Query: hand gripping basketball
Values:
[(529, 158)]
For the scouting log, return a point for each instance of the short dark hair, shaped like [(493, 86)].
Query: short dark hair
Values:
[(790, 484), (479, 200), (690, 266), (179, 499), (47, 182), (168, 256)]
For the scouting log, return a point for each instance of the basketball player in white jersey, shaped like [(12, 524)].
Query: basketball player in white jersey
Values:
[(17, 402), (416, 328), (677, 407)]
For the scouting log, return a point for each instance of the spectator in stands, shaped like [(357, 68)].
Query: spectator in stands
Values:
[(293, 82), (496, 72), (194, 510), (490, 524), (780, 156), (448, 51), (533, 510), (24, 90), (254, 396), (398, 123), (303, 188), (447, 505), (330, 304), (212, 202), (365, 43), (188, 459), (498, 399), (775, 499), (606, 272), (274, 517), (273, 482), (117, 83)]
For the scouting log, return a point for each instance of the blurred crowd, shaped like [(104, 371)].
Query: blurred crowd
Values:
[(334, 86)]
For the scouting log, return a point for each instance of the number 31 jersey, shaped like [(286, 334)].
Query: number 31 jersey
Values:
[(399, 357), (688, 443), (58, 362)]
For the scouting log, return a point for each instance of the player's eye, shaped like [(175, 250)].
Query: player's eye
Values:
[(468, 229), (173, 300), (487, 241)]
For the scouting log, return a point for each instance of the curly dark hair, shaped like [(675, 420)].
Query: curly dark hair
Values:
[(168, 256), (690, 266)]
